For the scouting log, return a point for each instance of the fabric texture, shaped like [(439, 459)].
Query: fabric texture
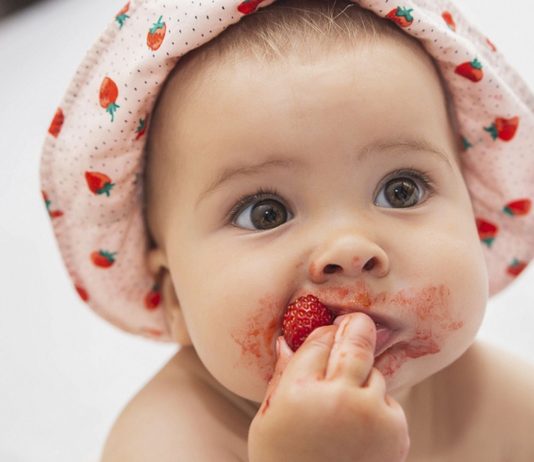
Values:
[(92, 159)]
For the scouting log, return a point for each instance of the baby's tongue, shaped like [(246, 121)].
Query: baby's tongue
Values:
[(302, 317)]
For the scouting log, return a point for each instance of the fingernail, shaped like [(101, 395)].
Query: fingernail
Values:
[(278, 346)]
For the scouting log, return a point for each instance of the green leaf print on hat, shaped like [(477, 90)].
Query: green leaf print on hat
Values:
[(121, 16)]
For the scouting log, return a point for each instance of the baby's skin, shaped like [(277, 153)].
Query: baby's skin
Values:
[(370, 213)]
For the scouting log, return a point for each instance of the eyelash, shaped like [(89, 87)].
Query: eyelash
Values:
[(264, 193)]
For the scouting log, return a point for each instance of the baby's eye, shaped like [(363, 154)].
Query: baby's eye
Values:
[(403, 191), (265, 212)]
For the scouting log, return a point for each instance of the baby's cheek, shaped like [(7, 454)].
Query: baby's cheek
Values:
[(256, 338)]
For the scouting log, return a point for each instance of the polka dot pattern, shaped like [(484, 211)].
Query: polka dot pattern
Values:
[(92, 157)]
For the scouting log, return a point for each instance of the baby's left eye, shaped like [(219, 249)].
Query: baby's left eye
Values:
[(403, 191)]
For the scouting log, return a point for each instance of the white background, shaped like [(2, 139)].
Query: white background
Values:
[(65, 374)]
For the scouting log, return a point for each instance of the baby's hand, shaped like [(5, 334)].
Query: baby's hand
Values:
[(326, 402)]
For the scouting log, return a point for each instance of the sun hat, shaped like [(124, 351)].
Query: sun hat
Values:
[(92, 157)]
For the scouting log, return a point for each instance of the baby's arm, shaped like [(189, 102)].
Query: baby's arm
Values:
[(330, 403)]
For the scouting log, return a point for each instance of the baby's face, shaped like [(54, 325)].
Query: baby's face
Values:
[(345, 142)]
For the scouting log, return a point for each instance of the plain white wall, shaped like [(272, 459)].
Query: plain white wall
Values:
[(66, 374)]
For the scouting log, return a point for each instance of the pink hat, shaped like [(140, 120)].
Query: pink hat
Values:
[(92, 157)]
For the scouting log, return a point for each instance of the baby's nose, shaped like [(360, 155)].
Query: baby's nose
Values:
[(350, 256)]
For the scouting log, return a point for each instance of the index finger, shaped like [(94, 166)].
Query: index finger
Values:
[(310, 361)]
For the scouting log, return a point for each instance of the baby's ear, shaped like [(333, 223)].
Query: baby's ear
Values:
[(158, 267)]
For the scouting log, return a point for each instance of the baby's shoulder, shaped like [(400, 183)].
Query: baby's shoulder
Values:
[(496, 386), (169, 419)]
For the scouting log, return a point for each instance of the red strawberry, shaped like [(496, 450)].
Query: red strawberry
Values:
[(471, 70), (108, 96), (99, 183), (51, 213), (141, 128), (121, 16), (503, 128), (82, 292), (518, 207), (302, 317), (103, 258), (153, 298), (156, 34), (401, 16), (57, 123), (516, 267), (447, 17), (487, 231), (248, 6)]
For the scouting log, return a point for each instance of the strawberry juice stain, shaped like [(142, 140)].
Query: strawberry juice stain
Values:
[(428, 306)]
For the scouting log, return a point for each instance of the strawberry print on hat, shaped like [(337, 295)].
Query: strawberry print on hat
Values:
[(92, 157), (156, 34), (401, 16)]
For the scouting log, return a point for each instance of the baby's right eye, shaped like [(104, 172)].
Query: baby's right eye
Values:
[(265, 212)]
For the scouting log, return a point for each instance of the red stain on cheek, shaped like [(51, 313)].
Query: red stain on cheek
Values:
[(257, 337), (434, 323)]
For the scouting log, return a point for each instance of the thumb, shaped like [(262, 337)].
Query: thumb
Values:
[(284, 355)]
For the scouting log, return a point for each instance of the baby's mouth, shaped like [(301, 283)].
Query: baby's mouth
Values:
[(307, 313)]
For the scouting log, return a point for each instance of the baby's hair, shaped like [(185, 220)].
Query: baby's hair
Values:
[(284, 32)]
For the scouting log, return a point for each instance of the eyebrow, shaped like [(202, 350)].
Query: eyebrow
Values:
[(377, 147)]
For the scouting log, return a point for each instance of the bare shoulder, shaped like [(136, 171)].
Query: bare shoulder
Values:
[(170, 419), (497, 387)]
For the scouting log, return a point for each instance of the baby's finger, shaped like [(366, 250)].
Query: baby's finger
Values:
[(377, 383), (352, 355), (283, 355), (310, 360)]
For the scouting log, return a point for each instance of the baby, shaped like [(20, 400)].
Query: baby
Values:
[(314, 241)]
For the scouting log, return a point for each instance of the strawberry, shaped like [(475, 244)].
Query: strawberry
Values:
[(82, 292), (108, 96), (503, 128), (487, 231), (99, 183), (401, 16), (156, 34), (51, 213), (471, 70), (103, 258), (518, 207), (248, 6), (121, 16), (447, 17), (141, 128), (153, 298), (57, 123), (303, 316), (516, 267)]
